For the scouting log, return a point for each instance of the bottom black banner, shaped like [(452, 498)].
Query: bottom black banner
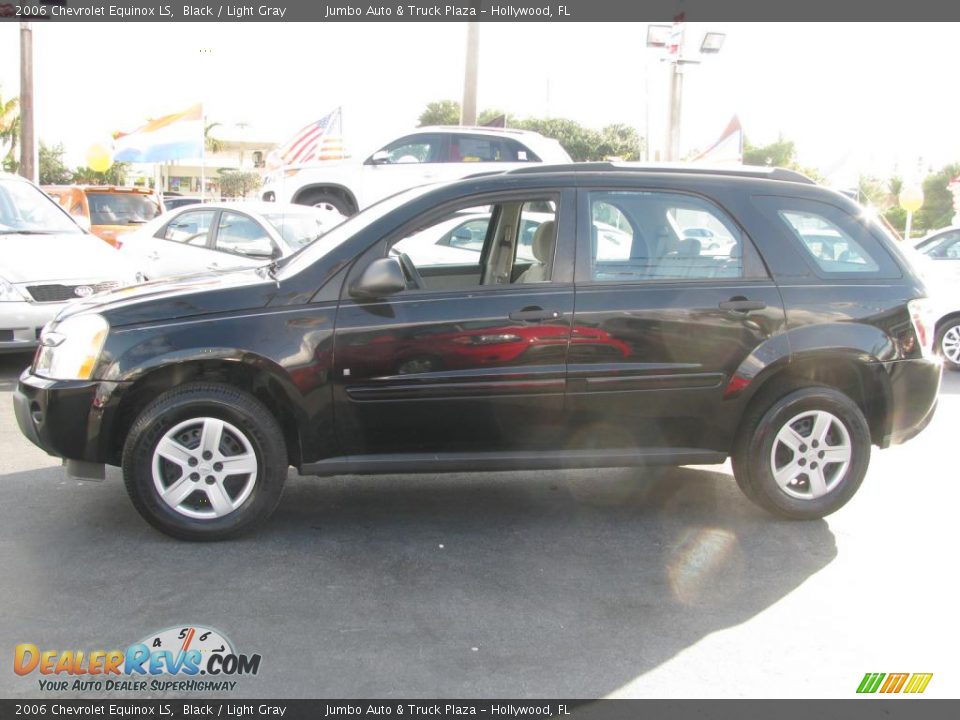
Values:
[(912, 709)]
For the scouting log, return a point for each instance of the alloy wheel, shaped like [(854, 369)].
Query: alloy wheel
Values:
[(811, 454), (204, 468)]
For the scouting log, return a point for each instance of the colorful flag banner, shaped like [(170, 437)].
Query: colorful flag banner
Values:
[(728, 149), (171, 137), (320, 140)]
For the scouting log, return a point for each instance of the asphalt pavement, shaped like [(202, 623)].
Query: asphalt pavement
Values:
[(621, 583)]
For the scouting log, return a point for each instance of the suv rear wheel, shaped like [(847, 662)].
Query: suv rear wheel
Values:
[(328, 202), (205, 462), (805, 455)]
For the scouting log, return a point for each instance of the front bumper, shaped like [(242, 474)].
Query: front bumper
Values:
[(21, 323), (914, 387), (70, 419)]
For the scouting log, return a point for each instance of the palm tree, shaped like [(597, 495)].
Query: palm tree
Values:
[(9, 127), (212, 144)]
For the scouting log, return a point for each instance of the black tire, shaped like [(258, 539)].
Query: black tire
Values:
[(321, 198), (753, 452), (953, 327), (205, 400)]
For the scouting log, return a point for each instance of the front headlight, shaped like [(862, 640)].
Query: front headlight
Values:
[(8, 293), (70, 352)]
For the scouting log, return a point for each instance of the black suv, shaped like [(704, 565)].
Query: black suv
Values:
[(575, 316)]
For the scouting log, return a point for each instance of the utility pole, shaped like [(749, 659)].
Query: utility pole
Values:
[(676, 103), (28, 148), (468, 109), (671, 38)]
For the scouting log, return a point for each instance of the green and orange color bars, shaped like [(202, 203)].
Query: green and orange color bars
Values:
[(894, 683)]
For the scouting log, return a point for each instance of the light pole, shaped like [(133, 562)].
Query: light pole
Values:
[(671, 37), (468, 111), (28, 148)]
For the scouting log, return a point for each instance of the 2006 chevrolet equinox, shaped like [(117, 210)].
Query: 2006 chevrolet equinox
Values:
[(582, 326)]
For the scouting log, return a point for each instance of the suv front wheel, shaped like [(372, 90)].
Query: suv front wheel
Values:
[(805, 455), (205, 462)]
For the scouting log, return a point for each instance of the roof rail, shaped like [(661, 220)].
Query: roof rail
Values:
[(749, 171)]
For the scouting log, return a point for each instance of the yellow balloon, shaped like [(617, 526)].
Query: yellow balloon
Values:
[(99, 158), (911, 198)]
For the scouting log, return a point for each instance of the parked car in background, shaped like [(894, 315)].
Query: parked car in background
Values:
[(108, 211), (348, 357), (46, 260), (219, 236), (172, 202), (425, 155), (937, 258)]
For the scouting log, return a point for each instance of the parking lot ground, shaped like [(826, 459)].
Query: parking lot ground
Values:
[(533, 584)]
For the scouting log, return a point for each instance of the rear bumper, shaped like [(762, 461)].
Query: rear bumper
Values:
[(70, 419), (914, 386)]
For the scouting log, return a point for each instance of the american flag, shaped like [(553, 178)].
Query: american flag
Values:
[(320, 140)]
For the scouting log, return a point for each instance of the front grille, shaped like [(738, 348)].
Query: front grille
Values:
[(60, 293)]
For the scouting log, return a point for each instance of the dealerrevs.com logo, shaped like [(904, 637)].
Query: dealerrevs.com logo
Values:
[(184, 652)]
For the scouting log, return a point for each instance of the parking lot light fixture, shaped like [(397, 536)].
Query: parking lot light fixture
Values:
[(657, 35), (712, 43)]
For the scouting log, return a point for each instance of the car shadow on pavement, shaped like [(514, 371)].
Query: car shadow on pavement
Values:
[(535, 584)]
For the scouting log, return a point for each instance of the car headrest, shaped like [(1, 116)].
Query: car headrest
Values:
[(688, 247), (543, 241)]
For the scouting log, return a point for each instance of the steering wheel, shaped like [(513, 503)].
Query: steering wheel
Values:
[(410, 270)]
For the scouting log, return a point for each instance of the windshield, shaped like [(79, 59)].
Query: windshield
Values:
[(300, 228), (121, 208), (25, 208), (309, 254)]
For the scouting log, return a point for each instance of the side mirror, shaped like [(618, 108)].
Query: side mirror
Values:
[(380, 157), (382, 277)]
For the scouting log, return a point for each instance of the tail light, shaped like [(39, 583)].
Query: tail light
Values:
[(923, 318)]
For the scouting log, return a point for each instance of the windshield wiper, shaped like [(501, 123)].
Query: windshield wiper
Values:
[(27, 232)]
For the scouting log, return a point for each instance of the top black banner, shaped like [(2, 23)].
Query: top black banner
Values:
[(482, 11)]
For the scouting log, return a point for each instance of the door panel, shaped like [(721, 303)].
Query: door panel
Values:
[(449, 373), (671, 299), (648, 365), (474, 368)]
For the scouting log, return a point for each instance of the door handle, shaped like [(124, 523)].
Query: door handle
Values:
[(153, 256), (534, 314), (213, 266), (742, 305)]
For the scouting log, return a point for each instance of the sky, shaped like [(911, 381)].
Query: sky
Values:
[(871, 98)]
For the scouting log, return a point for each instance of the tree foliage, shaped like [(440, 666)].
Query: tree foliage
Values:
[(442, 112), (211, 144), (581, 143), (9, 131), (237, 183), (937, 210), (52, 170), (116, 174), (780, 153)]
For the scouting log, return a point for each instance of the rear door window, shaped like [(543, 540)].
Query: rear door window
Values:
[(832, 240), (663, 236)]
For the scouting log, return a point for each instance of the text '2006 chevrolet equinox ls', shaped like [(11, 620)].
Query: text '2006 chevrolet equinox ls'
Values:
[(550, 317)]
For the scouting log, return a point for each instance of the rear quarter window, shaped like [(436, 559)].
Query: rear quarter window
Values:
[(831, 240)]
